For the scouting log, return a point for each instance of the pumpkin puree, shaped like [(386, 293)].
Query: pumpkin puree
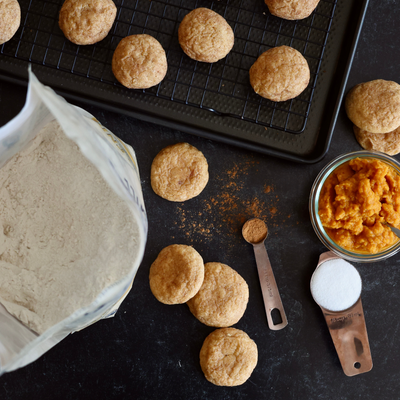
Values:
[(356, 199)]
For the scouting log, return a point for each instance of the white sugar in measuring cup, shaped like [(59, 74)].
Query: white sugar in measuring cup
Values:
[(336, 287)]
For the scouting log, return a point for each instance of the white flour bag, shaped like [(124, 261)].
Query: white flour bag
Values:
[(73, 225)]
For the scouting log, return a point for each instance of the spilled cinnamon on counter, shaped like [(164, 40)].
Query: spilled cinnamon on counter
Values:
[(226, 210)]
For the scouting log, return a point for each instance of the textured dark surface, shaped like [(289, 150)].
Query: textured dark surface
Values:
[(151, 351)]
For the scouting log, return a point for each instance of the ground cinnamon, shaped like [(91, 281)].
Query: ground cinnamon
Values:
[(255, 230), (225, 211)]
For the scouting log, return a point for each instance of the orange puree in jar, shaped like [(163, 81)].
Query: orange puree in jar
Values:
[(355, 201)]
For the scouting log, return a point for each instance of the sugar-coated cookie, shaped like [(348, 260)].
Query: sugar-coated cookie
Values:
[(388, 143), (291, 9), (279, 74), (228, 357), (177, 274), (205, 35), (85, 22), (139, 62), (222, 298), (374, 106), (179, 172), (10, 19)]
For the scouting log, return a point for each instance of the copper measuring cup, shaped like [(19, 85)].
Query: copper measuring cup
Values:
[(349, 333)]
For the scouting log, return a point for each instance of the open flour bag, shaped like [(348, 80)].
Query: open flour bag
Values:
[(73, 224)]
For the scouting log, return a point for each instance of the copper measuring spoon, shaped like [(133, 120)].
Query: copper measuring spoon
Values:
[(272, 299)]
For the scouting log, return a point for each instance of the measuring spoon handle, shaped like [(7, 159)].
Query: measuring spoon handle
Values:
[(270, 292)]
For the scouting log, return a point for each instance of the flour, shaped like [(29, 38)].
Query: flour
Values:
[(64, 234), (336, 285)]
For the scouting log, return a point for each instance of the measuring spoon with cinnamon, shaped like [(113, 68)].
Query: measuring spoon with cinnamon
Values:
[(255, 232)]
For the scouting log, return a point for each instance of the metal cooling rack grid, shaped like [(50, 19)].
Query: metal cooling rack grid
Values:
[(222, 87)]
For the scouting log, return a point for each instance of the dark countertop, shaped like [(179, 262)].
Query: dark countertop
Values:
[(151, 351)]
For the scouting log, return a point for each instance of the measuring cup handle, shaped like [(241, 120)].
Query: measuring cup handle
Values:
[(349, 334), (270, 292)]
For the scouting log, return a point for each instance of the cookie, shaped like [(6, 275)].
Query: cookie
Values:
[(179, 172), (177, 274), (85, 22), (280, 74), (291, 9), (388, 143), (222, 298), (10, 19), (205, 35), (374, 106), (139, 62), (228, 357)]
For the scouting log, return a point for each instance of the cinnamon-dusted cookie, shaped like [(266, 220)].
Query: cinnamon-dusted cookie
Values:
[(280, 74), (10, 19), (205, 35), (139, 62), (85, 22), (228, 357), (374, 106), (177, 274), (222, 298), (291, 9), (179, 172), (388, 143)]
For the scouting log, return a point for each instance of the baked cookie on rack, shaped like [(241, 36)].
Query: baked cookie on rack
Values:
[(177, 274), (374, 106), (388, 143), (139, 62), (222, 298), (204, 35), (279, 74), (10, 19), (291, 9), (85, 22), (228, 357), (179, 172)]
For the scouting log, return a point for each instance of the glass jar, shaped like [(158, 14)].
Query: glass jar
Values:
[(314, 206)]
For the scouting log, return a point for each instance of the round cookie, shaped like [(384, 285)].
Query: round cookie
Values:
[(85, 22), (139, 62), (228, 357), (374, 106), (222, 298), (388, 143), (291, 9), (10, 19), (177, 274), (179, 172), (205, 35), (279, 74)]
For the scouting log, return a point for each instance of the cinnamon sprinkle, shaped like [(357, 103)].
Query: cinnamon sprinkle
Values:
[(225, 212)]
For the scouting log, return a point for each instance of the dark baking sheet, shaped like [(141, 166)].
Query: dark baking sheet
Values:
[(211, 100)]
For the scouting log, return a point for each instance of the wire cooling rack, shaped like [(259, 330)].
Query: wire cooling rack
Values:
[(222, 88)]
